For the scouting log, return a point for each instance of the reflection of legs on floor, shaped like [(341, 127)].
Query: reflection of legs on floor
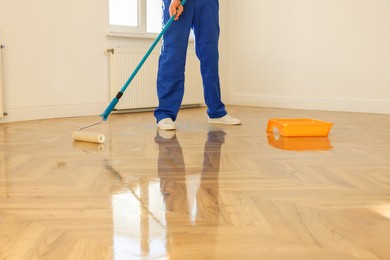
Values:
[(171, 171), (190, 199), (212, 151), (170, 157), (180, 191), (165, 134), (208, 195)]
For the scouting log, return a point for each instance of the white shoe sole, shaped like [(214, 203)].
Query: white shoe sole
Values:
[(162, 127), (223, 122)]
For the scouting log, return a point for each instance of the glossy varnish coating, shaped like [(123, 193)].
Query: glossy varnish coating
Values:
[(201, 192)]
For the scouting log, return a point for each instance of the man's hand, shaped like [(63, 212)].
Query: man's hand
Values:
[(176, 8)]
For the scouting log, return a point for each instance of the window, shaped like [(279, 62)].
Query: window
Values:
[(135, 16), (154, 16)]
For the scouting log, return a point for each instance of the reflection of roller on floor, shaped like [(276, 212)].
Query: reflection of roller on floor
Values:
[(89, 147), (299, 134)]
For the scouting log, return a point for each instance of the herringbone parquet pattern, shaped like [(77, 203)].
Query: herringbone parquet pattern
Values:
[(202, 192)]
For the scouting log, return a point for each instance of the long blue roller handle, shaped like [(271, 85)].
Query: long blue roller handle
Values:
[(115, 100)]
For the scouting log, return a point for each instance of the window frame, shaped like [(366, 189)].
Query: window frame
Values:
[(136, 31), (139, 30)]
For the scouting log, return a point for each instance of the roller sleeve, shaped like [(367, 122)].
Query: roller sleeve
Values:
[(88, 137)]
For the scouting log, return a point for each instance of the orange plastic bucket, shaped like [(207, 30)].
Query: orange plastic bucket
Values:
[(299, 127)]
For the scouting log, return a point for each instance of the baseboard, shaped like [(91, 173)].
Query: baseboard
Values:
[(48, 112), (345, 105), (150, 109), (60, 111)]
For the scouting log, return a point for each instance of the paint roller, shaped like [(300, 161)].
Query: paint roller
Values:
[(88, 137), (100, 138), (89, 147)]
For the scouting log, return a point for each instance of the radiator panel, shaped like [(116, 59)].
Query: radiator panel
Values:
[(141, 93)]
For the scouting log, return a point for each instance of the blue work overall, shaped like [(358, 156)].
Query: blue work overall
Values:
[(202, 16)]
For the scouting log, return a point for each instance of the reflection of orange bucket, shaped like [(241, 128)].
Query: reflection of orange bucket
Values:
[(300, 143), (299, 126)]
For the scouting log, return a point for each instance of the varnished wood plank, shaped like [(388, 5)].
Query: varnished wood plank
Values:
[(201, 192)]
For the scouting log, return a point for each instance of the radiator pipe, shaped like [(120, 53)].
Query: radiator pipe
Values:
[(115, 100), (2, 47)]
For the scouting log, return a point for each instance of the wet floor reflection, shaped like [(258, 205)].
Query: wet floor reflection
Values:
[(152, 215), (299, 143), (3, 177), (89, 147)]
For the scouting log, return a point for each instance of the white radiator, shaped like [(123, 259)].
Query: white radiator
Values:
[(142, 93), (1, 85)]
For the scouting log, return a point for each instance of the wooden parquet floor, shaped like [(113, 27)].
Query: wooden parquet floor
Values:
[(201, 192)]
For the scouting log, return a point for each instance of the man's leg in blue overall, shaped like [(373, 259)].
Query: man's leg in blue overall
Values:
[(203, 17)]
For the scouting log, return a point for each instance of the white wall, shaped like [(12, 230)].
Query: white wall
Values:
[(55, 62), (310, 54), (224, 45)]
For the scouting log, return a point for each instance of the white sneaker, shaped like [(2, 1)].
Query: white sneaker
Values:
[(225, 120), (166, 124)]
